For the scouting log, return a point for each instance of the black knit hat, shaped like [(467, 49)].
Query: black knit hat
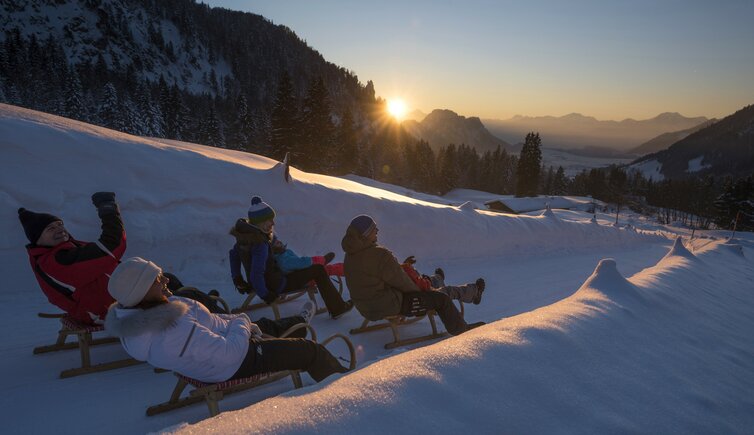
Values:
[(35, 223)]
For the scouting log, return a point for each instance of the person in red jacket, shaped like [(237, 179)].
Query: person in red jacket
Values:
[(74, 274)]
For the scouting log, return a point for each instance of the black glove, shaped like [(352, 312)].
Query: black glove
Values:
[(241, 285), (410, 260), (271, 297), (105, 203), (329, 257)]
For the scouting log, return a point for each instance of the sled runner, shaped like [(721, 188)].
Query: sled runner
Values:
[(213, 393), (84, 341), (394, 322), (310, 290)]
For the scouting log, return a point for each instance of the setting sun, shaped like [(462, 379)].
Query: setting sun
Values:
[(396, 108)]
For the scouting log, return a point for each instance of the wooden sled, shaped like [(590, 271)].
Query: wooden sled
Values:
[(84, 341), (213, 393), (247, 306), (394, 322)]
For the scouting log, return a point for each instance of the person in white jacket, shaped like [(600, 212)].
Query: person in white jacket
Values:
[(180, 334)]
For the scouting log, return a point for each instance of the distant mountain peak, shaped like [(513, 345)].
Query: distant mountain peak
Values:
[(669, 116), (443, 127), (443, 113)]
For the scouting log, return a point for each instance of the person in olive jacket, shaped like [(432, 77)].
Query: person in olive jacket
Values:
[(380, 287)]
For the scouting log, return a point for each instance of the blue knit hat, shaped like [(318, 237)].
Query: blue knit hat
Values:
[(364, 224), (260, 211)]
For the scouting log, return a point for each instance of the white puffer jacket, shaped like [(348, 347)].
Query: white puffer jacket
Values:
[(183, 336)]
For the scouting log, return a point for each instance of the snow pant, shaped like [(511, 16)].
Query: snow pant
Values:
[(274, 328), (418, 303), (333, 269), (464, 293), (177, 288), (173, 282), (277, 354), (201, 297), (298, 279)]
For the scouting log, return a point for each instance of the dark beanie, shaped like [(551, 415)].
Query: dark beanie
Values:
[(363, 224), (35, 223)]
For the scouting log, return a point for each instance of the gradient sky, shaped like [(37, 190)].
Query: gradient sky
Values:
[(495, 59)]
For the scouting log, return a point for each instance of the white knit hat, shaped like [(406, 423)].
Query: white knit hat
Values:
[(131, 280)]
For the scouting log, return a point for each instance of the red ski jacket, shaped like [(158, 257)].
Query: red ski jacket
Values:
[(74, 274), (423, 283)]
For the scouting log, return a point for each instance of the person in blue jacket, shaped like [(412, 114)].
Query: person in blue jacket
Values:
[(253, 251)]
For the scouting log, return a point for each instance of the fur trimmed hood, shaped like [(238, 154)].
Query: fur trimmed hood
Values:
[(248, 234), (123, 322)]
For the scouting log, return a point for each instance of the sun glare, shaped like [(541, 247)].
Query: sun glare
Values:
[(396, 108)]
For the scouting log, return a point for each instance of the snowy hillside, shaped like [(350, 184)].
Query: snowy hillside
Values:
[(665, 349), (120, 32)]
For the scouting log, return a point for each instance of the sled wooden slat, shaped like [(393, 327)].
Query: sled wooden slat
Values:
[(311, 290), (213, 393), (84, 342), (395, 322)]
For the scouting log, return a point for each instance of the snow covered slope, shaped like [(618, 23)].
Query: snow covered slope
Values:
[(613, 356), (174, 195), (667, 351)]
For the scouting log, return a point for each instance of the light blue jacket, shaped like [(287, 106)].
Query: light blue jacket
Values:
[(288, 261)]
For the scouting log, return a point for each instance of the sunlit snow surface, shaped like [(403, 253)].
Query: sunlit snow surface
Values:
[(657, 340)]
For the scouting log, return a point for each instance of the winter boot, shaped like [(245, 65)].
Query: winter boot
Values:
[(347, 308), (308, 310), (480, 289), (471, 326), (441, 273)]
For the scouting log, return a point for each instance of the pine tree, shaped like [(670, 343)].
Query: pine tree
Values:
[(284, 119), (73, 107), (317, 129), (448, 169), (560, 182), (346, 148), (167, 109), (108, 111), (179, 115), (736, 202), (212, 130), (423, 167), (151, 115), (529, 163), (244, 125), (133, 123)]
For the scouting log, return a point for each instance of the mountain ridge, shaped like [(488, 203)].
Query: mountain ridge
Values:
[(443, 127), (724, 148), (575, 130), (665, 140)]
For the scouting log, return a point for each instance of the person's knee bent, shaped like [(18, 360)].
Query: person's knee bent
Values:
[(440, 299), (318, 270)]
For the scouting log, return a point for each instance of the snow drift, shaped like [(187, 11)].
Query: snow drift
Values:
[(666, 351)]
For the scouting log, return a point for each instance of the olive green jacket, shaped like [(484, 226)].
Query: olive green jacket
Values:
[(374, 277)]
